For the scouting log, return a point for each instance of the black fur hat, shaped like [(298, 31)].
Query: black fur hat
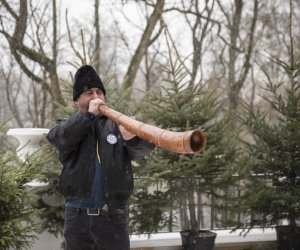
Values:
[(86, 78)]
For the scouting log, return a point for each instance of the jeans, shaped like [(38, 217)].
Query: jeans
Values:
[(101, 232)]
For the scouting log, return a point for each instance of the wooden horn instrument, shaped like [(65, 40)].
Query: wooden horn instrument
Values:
[(187, 142)]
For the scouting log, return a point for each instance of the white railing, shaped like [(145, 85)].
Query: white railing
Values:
[(224, 237)]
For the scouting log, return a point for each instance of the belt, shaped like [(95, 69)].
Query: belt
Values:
[(98, 211)]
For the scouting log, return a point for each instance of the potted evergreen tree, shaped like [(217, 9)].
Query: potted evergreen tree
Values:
[(272, 192), (180, 107)]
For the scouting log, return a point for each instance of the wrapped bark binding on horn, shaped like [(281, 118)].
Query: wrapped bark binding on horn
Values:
[(187, 142)]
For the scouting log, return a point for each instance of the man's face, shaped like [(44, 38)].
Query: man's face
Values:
[(84, 99)]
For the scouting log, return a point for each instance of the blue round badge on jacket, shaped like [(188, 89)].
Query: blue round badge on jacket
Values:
[(111, 139)]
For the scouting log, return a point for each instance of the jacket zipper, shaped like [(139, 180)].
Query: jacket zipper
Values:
[(86, 176)]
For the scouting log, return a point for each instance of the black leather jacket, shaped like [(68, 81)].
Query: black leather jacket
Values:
[(76, 140)]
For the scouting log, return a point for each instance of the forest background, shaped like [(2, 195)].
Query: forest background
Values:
[(221, 43)]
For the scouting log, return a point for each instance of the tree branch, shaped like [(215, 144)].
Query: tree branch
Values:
[(97, 37), (71, 40), (21, 22), (9, 9), (247, 65), (143, 45)]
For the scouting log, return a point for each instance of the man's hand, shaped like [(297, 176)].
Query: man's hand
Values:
[(94, 106), (125, 133)]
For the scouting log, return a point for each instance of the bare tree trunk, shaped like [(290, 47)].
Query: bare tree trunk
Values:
[(184, 223), (212, 211), (12, 97), (143, 45), (235, 85), (97, 37), (199, 209), (192, 207), (234, 32), (198, 40)]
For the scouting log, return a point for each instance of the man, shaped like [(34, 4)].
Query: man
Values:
[(97, 178)]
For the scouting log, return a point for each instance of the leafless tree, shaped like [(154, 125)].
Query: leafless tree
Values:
[(239, 46), (198, 15), (97, 36), (226, 39), (144, 43), (35, 50)]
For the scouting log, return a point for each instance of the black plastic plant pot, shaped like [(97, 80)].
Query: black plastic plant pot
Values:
[(288, 238), (203, 240)]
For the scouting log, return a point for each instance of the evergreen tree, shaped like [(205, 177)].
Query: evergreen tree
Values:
[(273, 190), (180, 108), (18, 226)]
